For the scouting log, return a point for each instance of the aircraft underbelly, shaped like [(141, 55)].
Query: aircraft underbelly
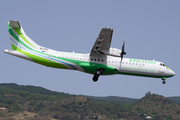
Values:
[(92, 67), (150, 73)]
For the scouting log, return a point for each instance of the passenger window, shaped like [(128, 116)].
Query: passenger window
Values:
[(98, 59), (91, 59), (102, 60), (94, 59)]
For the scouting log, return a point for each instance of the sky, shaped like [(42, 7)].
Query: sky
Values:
[(150, 29)]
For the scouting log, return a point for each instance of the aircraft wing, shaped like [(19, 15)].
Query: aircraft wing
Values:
[(103, 42)]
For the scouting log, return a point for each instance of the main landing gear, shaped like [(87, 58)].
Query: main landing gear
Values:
[(164, 80), (97, 74)]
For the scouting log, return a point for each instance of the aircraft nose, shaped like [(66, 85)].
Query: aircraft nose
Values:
[(173, 73)]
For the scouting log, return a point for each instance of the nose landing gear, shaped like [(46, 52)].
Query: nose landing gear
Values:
[(97, 74), (164, 80)]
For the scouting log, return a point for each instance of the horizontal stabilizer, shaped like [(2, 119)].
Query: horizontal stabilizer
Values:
[(14, 23), (17, 54)]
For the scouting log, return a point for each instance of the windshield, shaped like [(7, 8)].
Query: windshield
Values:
[(162, 64)]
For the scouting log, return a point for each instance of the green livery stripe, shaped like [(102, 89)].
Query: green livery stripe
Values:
[(143, 75), (90, 67), (12, 33), (18, 31), (44, 61), (22, 43), (40, 60), (167, 67), (26, 47), (14, 48)]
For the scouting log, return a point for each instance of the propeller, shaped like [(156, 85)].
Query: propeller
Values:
[(122, 53)]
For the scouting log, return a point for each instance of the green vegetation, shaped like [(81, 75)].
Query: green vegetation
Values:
[(36, 102), (114, 98), (157, 106), (32, 89)]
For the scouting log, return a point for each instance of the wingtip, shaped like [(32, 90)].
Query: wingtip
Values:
[(108, 28)]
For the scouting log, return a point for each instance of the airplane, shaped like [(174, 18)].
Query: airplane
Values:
[(102, 60)]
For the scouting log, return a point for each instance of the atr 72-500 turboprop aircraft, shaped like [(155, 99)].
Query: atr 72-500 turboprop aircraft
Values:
[(102, 60)]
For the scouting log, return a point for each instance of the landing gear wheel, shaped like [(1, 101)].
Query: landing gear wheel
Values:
[(164, 82), (95, 78), (98, 72)]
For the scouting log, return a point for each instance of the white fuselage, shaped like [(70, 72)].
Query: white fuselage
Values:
[(129, 66)]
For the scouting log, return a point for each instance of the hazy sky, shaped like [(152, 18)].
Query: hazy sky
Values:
[(150, 28)]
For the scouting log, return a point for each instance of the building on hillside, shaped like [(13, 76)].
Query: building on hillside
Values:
[(1, 108), (148, 117)]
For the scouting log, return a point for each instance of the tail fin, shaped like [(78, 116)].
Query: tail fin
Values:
[(19, 40)]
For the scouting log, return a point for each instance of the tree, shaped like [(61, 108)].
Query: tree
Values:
[(147, 94)]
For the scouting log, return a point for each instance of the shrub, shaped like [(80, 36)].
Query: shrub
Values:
[(178, 112)]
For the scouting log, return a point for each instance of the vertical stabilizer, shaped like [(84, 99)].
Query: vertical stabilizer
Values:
[(19, 39)]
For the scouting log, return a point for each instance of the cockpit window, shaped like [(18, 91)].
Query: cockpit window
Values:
[(162, 64)]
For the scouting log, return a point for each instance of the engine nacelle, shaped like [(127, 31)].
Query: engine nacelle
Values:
[(114, 52)]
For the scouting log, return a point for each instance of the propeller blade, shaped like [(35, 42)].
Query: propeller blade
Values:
[(122, 53), (123, 46)]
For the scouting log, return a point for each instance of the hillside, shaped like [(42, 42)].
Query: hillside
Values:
[(128, 100), (30, 102), (32, 89), (37, 103), (157, 106), (40, 90), (114, 98)]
